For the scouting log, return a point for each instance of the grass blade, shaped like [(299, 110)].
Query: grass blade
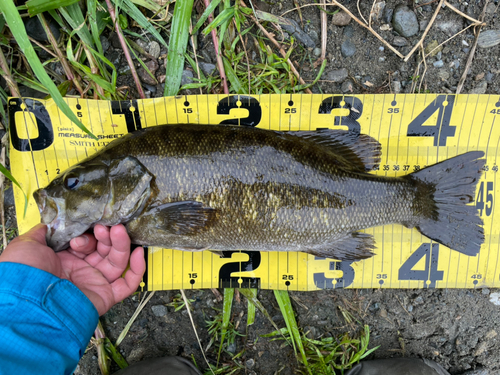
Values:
[(286, 307), (7, 174), (205, 15), (133, 318), (251, 308), (223, 16), (19, 32), (130, 8), (236, 84), (226, 316), (114, 354), (38, 6), (179, 36), (73, 15)]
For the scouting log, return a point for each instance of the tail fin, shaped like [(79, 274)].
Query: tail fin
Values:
[(449, 220)]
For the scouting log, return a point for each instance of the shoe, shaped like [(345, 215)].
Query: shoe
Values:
[(161, 366), (398, 366)]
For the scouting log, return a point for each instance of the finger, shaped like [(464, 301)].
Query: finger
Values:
[(124, 287), (103, 236), (118, 257), (83, 245), (37, 234), (94, 259)]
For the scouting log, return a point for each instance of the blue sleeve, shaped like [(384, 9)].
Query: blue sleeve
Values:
[(45, 322)]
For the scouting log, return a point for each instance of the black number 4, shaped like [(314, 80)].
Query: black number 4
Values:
[(480, 203), (430, 273), (442, 129)]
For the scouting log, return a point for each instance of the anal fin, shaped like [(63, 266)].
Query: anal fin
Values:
[(355, 246)]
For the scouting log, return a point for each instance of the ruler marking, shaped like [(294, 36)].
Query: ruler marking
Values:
[(472, 123)]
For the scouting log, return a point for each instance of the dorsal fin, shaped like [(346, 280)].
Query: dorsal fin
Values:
[(361, 151)]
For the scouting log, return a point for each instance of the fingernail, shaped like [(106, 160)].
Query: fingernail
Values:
[(81, 241)]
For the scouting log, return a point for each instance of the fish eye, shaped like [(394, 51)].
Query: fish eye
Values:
[(71, 181)]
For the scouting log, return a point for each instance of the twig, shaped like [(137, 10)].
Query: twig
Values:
[(335, 2), (421, 5), (220, 64), (186, 303), (14, 90), (324, 34), (472, 51), (282, 52), (194, 52), (425, 69), (243, 43), (421, 41), (450, 38), (371, 12), (361, 14), (217, 294), (297, 6), (119, 32), (62, 59), (465, 15), (102, 356)]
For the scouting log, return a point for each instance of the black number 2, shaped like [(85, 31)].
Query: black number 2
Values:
[(442, 129)]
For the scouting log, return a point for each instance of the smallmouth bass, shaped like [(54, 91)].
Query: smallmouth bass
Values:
[(197, 187)]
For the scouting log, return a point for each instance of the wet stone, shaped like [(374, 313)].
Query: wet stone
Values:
[(348, 48), (348, 31), (207, 68), (443, 74), (396, 87), (250, 363), (489, 38), (405, 21), (153, 66), (347, 86), (159, 310), (438, 64), (480, 88), (35, 29), (378, 10), (104, 43), (337, 75), (399, 41), (450, 27), (387, 16), (341, 19), (154, 49), (187, 77)]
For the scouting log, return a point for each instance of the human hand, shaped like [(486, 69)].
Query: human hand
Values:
[(94, 263)]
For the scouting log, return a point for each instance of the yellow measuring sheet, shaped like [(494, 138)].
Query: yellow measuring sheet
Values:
[(414, 130)]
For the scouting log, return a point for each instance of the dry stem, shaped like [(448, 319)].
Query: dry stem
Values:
[(14, 90), (324, 21), (421, 41), (119, 32), (472, 51), (282, 52), (361, 14)]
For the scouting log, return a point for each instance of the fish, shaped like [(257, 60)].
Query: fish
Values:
[(197, 187)]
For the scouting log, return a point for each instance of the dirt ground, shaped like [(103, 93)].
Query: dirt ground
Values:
[(456, 328)]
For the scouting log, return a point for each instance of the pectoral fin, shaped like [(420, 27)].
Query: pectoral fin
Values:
[(355, 246), (180, 218)]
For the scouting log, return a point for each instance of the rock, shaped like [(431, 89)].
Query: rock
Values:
[(405, 21), (337, 75), (387, 16), (294, 29), (478, 371), (142, 43), (423, 24), (347, 86), (154, 49), (443, 74), (450, 27), (187, 77), (8, 198), (317, 52), (495, 298), (396, 87), (367, 82), (479, 77), (114, 57), (159, 310), (480, 89), (136, 355), (115, 41), (341, 18), (381, 59), (438, 64), (348, 31), (207, 68), (381, 49), (418, 301), (35, 29), (348, 48), (489, 77), (489, 38), (432, 47), (249, 363), (104, 43), (314, 36), (385, 27), (399, 41), (153, 66), (464, 42), (378, 10)]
